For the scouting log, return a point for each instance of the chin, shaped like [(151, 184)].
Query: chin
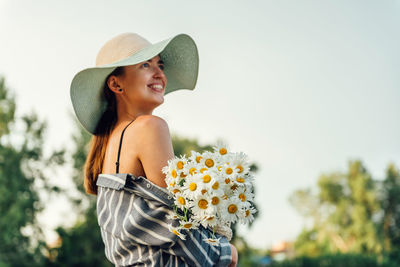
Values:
[(158, 101)]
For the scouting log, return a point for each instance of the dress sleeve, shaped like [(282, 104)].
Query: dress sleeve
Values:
[(201, 253), (147, 224)]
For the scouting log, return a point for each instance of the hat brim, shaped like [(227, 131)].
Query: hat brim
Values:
[(181, 64)]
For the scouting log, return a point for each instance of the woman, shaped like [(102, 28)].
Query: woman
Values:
[(114, 101)]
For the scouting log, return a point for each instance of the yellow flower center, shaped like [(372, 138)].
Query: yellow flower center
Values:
[(187, 225), (225, 197), (247, 213), (219, 168), (223, 151), (181, 200), (234, 187), (227, 180), (183, 175), (175, 232), (198, 158), (203, 169), (174, 174), (242, 197), (176, 191), (232, 208), (179, 165), (210, 218), (215, 186), (240, 180), (172, 184), (240, 168), (228, 171), (206, 178), (203, 204), (192, 186), (203, 191), (192, 170), (215, 200), (209, 163)]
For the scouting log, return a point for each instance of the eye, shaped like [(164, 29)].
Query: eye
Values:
[(145, 64), (161, 67)]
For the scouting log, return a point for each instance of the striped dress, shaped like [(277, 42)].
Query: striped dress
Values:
[(131, 213)]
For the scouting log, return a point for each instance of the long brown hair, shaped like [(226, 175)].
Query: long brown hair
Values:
[(98, 144)]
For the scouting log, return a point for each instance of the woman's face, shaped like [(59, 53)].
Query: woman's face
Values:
[(144, 84)]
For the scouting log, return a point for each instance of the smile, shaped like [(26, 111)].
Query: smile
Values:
[(156, 87)]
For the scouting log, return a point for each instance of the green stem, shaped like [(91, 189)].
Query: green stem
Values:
[(185, 214)]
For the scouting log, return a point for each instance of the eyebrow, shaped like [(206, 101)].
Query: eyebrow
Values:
[(160, 61)]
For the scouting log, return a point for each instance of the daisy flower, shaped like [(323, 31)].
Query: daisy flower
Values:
[(195, 157), (181, 201), (209, 221), (175, 166), (229, 170), (208, 160), (246, 215), (192, 187), (230, 210), (244, 195), (211, 189), (212, 241), (177, 231), (190, 224), (203, 208), (241, 162), (172, 216), (221, 148)]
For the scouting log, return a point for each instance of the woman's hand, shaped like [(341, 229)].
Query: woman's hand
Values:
[(234, 256)]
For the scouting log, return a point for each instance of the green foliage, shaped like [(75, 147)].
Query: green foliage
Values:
[(81, 244), (21, 177), (351, 213), (334, 260), (342, 212), (183, 146), (390, 204)]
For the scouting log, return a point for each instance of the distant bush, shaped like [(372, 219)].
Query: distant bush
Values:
[(342, 260)]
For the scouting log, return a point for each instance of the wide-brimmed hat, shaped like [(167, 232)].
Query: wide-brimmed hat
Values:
[(181, 64)]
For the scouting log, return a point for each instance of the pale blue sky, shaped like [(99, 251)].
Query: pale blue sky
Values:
[(300, 86)]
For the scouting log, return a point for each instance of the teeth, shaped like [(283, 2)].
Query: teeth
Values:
[(156, 86)]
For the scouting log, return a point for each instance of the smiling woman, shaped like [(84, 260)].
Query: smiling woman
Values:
[(127, 84), (142, 84)]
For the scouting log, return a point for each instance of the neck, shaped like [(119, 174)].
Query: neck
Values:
[(130, 113)]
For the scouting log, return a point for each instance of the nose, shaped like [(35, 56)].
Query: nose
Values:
[(159, 73)]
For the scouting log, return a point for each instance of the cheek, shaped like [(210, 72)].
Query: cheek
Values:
[(137, 82)]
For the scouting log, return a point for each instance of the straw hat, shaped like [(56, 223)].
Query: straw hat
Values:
[(181, 64)]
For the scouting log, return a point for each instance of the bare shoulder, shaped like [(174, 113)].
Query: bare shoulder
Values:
[(154, 146), (151, 122), (150, 127)]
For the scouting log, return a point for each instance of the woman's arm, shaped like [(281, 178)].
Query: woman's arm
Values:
[(234, 256)]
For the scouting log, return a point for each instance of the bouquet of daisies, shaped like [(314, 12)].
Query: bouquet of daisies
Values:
[(211, 189)]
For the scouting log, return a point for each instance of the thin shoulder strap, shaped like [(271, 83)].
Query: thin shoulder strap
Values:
[(120, 145)]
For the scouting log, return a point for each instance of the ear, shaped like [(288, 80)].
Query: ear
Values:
[(114, 84)]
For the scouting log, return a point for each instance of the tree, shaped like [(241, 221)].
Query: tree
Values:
[(390, 204), (22, 165), (344, 213), (81, 244)]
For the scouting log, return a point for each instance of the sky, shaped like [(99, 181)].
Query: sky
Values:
[(301, 87)]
